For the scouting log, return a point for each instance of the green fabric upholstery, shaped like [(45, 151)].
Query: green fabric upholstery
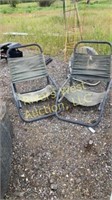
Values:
[(27, 68), (91, 67), (36, 96), (84, 97)]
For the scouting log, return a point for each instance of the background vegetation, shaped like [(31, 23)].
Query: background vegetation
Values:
[(45, 25)]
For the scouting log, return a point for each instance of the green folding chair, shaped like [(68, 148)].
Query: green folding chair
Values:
[(26, 70), (90, 70)]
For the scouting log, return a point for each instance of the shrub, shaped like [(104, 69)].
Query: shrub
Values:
[(13, 3), (45, 3)]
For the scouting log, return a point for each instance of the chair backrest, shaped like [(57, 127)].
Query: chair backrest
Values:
[(27, 68), (91, 67)]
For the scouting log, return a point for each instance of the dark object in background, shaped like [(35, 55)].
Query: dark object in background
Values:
[(3, 50), (13, 54), (48, 60)]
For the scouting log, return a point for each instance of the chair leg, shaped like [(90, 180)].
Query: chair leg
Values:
[(79, 122), (34, 119)]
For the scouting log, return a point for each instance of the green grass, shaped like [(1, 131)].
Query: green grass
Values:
[(96, 4), (27, 8), (46, 25)]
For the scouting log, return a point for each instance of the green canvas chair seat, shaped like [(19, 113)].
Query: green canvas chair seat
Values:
[(36, 96), (84, 97)]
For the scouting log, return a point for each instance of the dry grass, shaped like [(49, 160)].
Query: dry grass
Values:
[(46, 26)]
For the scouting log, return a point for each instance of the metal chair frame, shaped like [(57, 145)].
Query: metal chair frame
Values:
[(14, 88), (70, 80)]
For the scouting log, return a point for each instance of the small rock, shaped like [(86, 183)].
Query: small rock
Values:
[(51, 180), (54, 186), (53, 173), (22, 175), (90, 142), (71, 180), (19, 194), (26, 179), (78, 180)]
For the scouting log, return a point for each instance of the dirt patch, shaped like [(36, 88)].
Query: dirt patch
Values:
[(54, 160)]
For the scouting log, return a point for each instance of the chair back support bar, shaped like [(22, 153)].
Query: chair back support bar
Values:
[(91, 67), (27, 68), (84, 42)]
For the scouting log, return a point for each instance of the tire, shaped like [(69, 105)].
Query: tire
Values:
[(5, 148)]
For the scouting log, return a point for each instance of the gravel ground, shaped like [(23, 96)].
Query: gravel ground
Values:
[(54, 160)]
